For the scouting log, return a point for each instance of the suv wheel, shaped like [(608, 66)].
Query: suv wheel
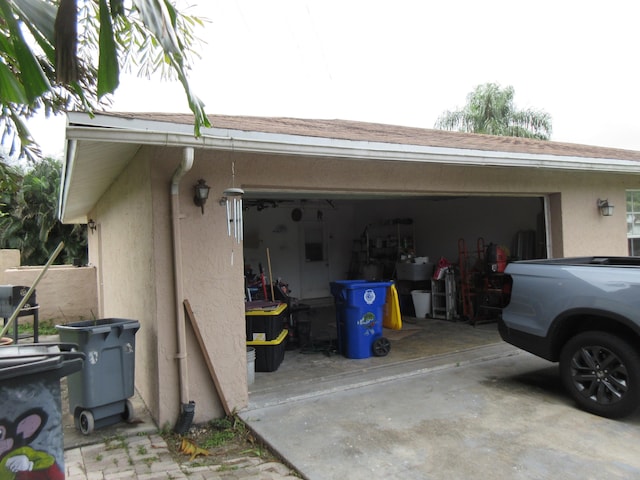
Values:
[(602, 373)]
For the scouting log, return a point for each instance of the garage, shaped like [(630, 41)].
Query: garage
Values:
[(324, 200), (305, 243)]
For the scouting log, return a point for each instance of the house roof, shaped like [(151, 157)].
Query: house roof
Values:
[(99, 147), (377, 132)]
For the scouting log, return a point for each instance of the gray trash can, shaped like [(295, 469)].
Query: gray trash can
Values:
[(99, 393), (31, 444)]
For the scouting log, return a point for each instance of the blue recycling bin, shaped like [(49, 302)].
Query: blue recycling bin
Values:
[(359, 317)]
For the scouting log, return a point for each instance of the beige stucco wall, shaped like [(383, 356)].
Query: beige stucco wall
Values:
[(9, 258), (213, 284), (122, 249), (133, 248), (65, 293)]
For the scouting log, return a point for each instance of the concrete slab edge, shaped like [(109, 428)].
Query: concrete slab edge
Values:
[(376, 375)]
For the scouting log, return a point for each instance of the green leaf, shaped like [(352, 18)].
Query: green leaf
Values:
[(117, 7), (108, 69), (155, 15), (33, 78), (38, 15), (195, 104), (10, 86)]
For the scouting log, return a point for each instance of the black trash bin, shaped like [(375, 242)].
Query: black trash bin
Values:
[(31, 440), (99, 394)]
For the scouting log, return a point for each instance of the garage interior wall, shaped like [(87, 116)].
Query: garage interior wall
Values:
[(437, 225)]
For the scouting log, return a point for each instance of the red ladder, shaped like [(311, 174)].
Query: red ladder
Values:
[(465, 280)]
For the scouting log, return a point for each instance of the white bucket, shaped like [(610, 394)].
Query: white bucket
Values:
[(251, 365), (421, 302)]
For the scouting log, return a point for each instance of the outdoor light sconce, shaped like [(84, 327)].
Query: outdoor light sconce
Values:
[(606, 209), (201, 194), (92, 225), (232, 200)]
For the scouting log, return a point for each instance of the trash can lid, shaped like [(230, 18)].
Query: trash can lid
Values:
[(18, 360)]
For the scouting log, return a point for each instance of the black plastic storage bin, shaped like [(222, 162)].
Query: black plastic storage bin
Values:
[(269, 353), (32, 440), (265, 320), (99, 394)]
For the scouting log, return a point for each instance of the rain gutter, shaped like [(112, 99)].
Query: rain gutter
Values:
[(298, 145)]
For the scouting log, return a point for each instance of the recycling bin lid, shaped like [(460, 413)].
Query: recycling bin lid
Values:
[(19, 360), (364, 284)]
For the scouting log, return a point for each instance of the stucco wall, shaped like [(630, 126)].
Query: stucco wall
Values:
[(213, 284), (122, 248), (9, 258), (133, 249), (65, 293), (585, 231)]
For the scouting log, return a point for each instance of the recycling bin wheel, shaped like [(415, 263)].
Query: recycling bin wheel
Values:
[(86, 422), (128, 415), (381, 346)]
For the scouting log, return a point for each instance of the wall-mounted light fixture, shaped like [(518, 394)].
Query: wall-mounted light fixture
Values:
[(606, 209), (201, 194), (232, 200), (92, 225)]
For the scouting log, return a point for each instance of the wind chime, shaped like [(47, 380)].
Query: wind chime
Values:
[(232, 199)]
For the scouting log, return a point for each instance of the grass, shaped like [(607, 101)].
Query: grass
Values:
[(115, 442), (44, 328), (222, 431), (224, 438), (120, 442)]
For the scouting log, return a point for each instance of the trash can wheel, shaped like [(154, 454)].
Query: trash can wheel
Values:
[(381, 347), (128, 415), (85, 422)]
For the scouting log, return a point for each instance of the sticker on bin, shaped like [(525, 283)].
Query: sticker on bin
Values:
[(368, 321), (259, 337), (369, 296)]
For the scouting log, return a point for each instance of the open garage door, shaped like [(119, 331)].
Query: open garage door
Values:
[(366, 237), (313, 241)]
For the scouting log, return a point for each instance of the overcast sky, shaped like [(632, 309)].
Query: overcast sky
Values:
[(406, 62)]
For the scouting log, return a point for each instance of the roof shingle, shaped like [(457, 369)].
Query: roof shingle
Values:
[(376, 132)]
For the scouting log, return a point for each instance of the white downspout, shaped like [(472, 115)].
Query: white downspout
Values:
[(187, 407)]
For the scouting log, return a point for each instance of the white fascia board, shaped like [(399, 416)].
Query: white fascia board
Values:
[(181, 135), (66, 177)]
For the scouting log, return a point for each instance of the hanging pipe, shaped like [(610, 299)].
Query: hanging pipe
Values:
[(187, 407)]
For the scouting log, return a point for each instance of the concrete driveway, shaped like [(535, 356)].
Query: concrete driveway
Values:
[(493, 412)]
